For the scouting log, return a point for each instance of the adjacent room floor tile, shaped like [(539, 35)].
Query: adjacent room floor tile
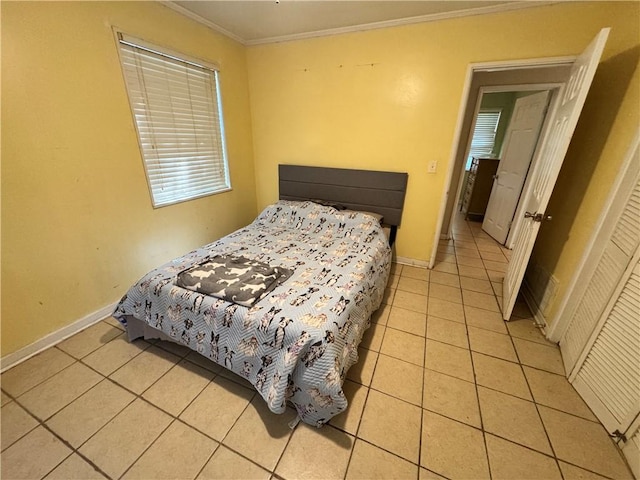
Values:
[(445, 292), (539, 356), (114, 354), (555, 391), (388, 296), (451, 397), (381, 315), (412, 285), (476, 285), (468, 252), (61, 389), (370, 462), (16, 422), (510, 461), (469, 262), (526, 329), (142, 371), (90, 339), (117, 446), (36, 370), (478, 317), (349, 420), (473, 272), (415, 272), (178, 387), (571, 472), (444, 278), (491, 343), (410, 301), (429, 475), (458, 454), (512, 418), (362, 371), (179, 452), (480, 300), (316, 453), (446, 267), (88, 413), (500, 375), (18, 461), (403, 345), (224, 397), (448, 359), (447, 310), (447, 331), (407, 387), (584, 443), (407, 321), (269, 433), (75, 468), (391, 424), (372, 338), (228, 465)]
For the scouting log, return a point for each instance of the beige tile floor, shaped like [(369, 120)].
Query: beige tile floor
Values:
[(443, 389)]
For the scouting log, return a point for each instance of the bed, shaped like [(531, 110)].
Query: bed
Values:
[(321, 258)]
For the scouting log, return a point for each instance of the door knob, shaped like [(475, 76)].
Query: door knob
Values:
[(537, 217)]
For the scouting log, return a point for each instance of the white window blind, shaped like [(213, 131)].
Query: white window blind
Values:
[(177, 111), (484, 135)]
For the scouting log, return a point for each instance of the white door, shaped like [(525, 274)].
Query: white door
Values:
[(546, 166), (519, 144)]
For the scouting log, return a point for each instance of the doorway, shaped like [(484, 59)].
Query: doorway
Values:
[(550, 151), (501, 146)]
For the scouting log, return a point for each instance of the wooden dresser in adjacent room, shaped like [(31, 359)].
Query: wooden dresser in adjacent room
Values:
[(478, 187)]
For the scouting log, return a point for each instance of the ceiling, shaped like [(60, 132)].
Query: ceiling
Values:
[(267, 21)]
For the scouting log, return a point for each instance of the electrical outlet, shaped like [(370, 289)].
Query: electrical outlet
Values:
[(433, 165)]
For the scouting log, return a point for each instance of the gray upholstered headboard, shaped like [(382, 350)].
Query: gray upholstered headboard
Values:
[(367, 190)]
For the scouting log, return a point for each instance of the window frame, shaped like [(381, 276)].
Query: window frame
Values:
[(471, 154), (219, 177)]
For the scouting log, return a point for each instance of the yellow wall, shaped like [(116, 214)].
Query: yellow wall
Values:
[(77, 222), (608, 123), (78, 227), (389, 99)]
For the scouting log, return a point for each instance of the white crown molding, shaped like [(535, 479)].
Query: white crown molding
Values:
[(359, 28), (204, 21)]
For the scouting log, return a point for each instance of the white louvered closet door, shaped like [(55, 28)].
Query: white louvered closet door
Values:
[(606, 372), (614, 263), (609, 377)]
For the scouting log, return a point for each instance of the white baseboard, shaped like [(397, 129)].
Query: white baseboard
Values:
[(13, 359), (413, 262)]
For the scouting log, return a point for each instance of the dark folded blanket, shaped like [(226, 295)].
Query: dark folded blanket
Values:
[(235, 279)]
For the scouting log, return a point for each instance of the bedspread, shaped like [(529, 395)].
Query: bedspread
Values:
[(297, 342)]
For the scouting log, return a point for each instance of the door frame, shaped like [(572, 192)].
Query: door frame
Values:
[(552, 88), (473, 68)]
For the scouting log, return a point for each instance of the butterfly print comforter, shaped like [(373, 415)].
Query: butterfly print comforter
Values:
[(297, 342)]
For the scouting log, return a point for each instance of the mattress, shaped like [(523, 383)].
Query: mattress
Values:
[(296, 343)]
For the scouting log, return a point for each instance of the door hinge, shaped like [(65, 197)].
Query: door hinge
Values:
[(618, 436)]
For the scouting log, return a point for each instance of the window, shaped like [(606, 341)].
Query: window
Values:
[(484, 135), (176, 106)]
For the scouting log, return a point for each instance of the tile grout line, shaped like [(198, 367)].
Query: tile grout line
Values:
[(364, 406), (535, 403), (42, 423), (475, 382)]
